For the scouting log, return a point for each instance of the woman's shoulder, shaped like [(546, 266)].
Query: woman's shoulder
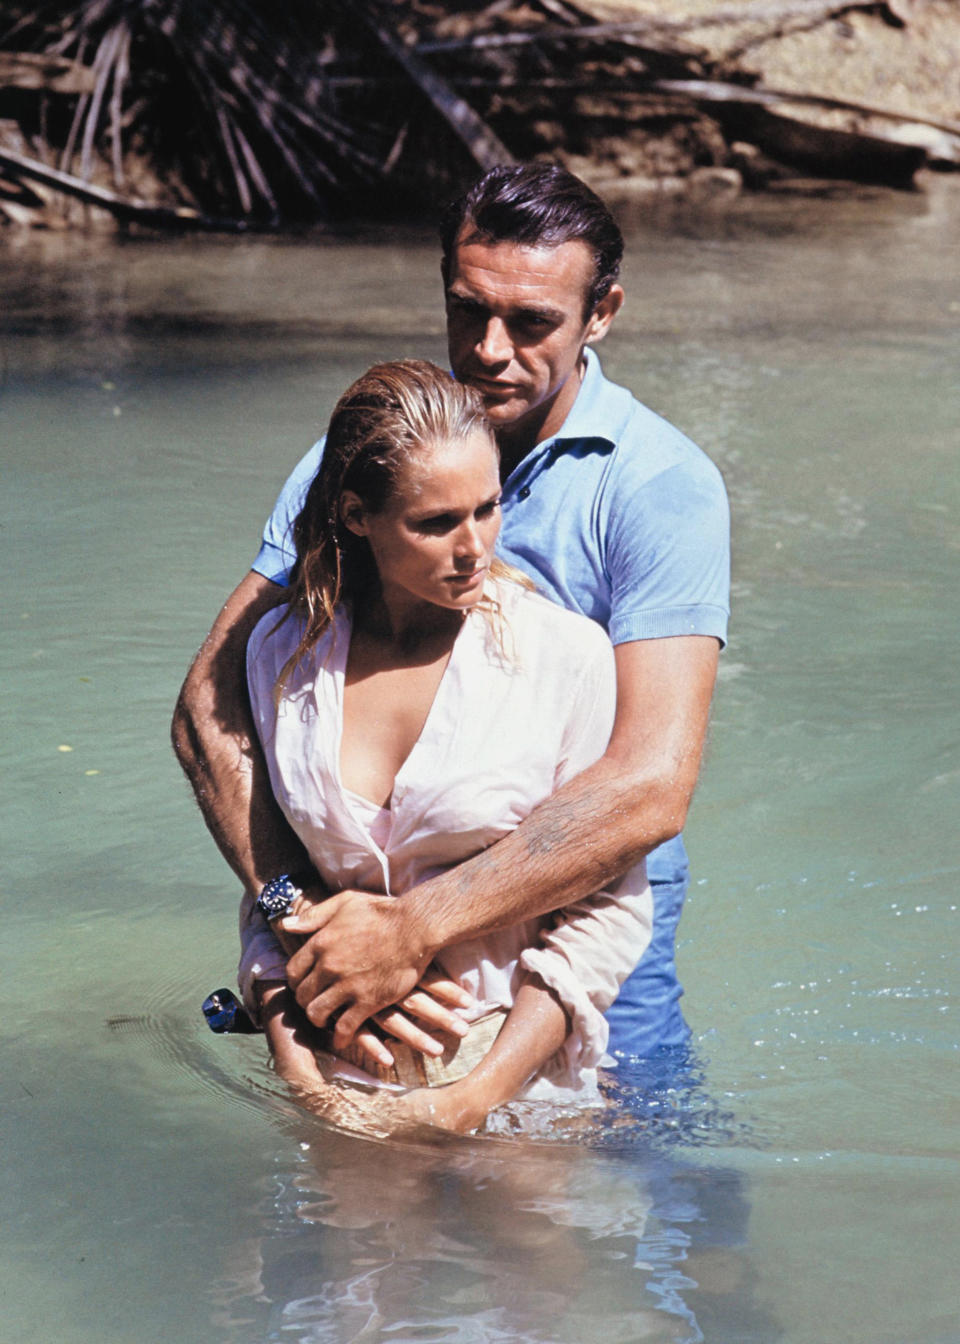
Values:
[(536, 619), (277, 635), (277, 627)]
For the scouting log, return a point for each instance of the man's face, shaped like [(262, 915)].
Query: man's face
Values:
[(516, 330)]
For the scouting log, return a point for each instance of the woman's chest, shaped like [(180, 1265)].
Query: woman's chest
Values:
[(462, 760), (384, 714)]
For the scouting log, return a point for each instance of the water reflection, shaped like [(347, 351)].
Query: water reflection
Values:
[(477, 1241)]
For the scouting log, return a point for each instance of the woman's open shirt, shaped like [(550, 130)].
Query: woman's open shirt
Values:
[(515, 716)]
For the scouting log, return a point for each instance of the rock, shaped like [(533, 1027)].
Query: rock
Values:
[(714, 184)]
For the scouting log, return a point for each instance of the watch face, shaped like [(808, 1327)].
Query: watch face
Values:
[(276, 898)]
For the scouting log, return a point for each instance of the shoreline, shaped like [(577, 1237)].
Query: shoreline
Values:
[(698, 99)]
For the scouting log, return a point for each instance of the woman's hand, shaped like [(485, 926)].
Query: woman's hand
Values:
[(458, 1108), (437, 1001)]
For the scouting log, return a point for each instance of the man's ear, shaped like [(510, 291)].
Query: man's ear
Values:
[(352, 513), (604, 313)]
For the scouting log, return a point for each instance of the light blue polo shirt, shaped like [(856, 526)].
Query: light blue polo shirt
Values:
[(623, 518)]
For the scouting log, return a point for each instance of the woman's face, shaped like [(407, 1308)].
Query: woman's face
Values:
[(433, 540)]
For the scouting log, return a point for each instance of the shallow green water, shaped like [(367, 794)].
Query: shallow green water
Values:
[(156, 1183)]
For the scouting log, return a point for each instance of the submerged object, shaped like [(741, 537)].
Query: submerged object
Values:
[(225, 1013)]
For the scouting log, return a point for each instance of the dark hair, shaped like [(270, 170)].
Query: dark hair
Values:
[(540, 205)]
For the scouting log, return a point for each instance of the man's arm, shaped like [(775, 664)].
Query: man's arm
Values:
[(591, 830), (216, 742)]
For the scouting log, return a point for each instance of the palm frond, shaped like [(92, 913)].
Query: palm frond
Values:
[(237, 96)]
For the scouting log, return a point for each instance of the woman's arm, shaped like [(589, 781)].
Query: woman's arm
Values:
[(535, 1029), (573, 974)]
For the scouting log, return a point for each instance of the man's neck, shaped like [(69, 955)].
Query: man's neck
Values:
[(513, 451), (516, 441)]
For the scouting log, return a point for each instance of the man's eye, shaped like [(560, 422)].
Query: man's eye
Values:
[(534, 325), (472, 312), (487, 510), (442, 523)]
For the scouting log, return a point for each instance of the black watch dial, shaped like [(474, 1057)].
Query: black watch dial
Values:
[(277, 897)]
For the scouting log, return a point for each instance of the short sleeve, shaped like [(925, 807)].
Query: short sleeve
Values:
[(668, 554), (277, 553)]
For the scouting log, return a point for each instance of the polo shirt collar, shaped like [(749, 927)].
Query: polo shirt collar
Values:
[(601, 409)]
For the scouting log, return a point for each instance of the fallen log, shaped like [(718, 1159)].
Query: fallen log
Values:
[(123, 208), (892, 154), (718, 91), (829, 152)]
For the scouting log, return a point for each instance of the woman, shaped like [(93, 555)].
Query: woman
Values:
[(415, 701)]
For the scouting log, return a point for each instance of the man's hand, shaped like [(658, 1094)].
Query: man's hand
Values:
[(360, 958), (431, 1002)]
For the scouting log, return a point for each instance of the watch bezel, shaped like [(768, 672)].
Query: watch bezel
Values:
[(277, 897)]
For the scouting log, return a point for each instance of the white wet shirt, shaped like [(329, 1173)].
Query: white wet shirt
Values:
[(526, 702)]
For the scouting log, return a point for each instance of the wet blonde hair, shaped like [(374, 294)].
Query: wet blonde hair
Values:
[(392, 414)]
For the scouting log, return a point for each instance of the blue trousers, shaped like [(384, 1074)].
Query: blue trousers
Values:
[(647, 1015)]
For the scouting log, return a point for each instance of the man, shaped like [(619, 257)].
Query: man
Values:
[(613, 513)]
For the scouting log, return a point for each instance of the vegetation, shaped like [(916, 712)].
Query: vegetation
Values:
[(265, 112), (233, 104), (254, 113)]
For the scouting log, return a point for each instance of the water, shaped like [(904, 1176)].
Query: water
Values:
[(804, 1186)]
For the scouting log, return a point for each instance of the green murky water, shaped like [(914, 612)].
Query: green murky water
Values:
[(156, 1183)]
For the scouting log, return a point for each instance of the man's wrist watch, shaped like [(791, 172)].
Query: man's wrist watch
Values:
[(277, 897)]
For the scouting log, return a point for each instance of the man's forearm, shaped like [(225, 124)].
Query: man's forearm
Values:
[(232, 789), (576, 842), (216, 743), (602, 821)]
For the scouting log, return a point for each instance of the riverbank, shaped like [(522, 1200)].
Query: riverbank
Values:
[(903, 54), (883, 70), (186, 121)]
